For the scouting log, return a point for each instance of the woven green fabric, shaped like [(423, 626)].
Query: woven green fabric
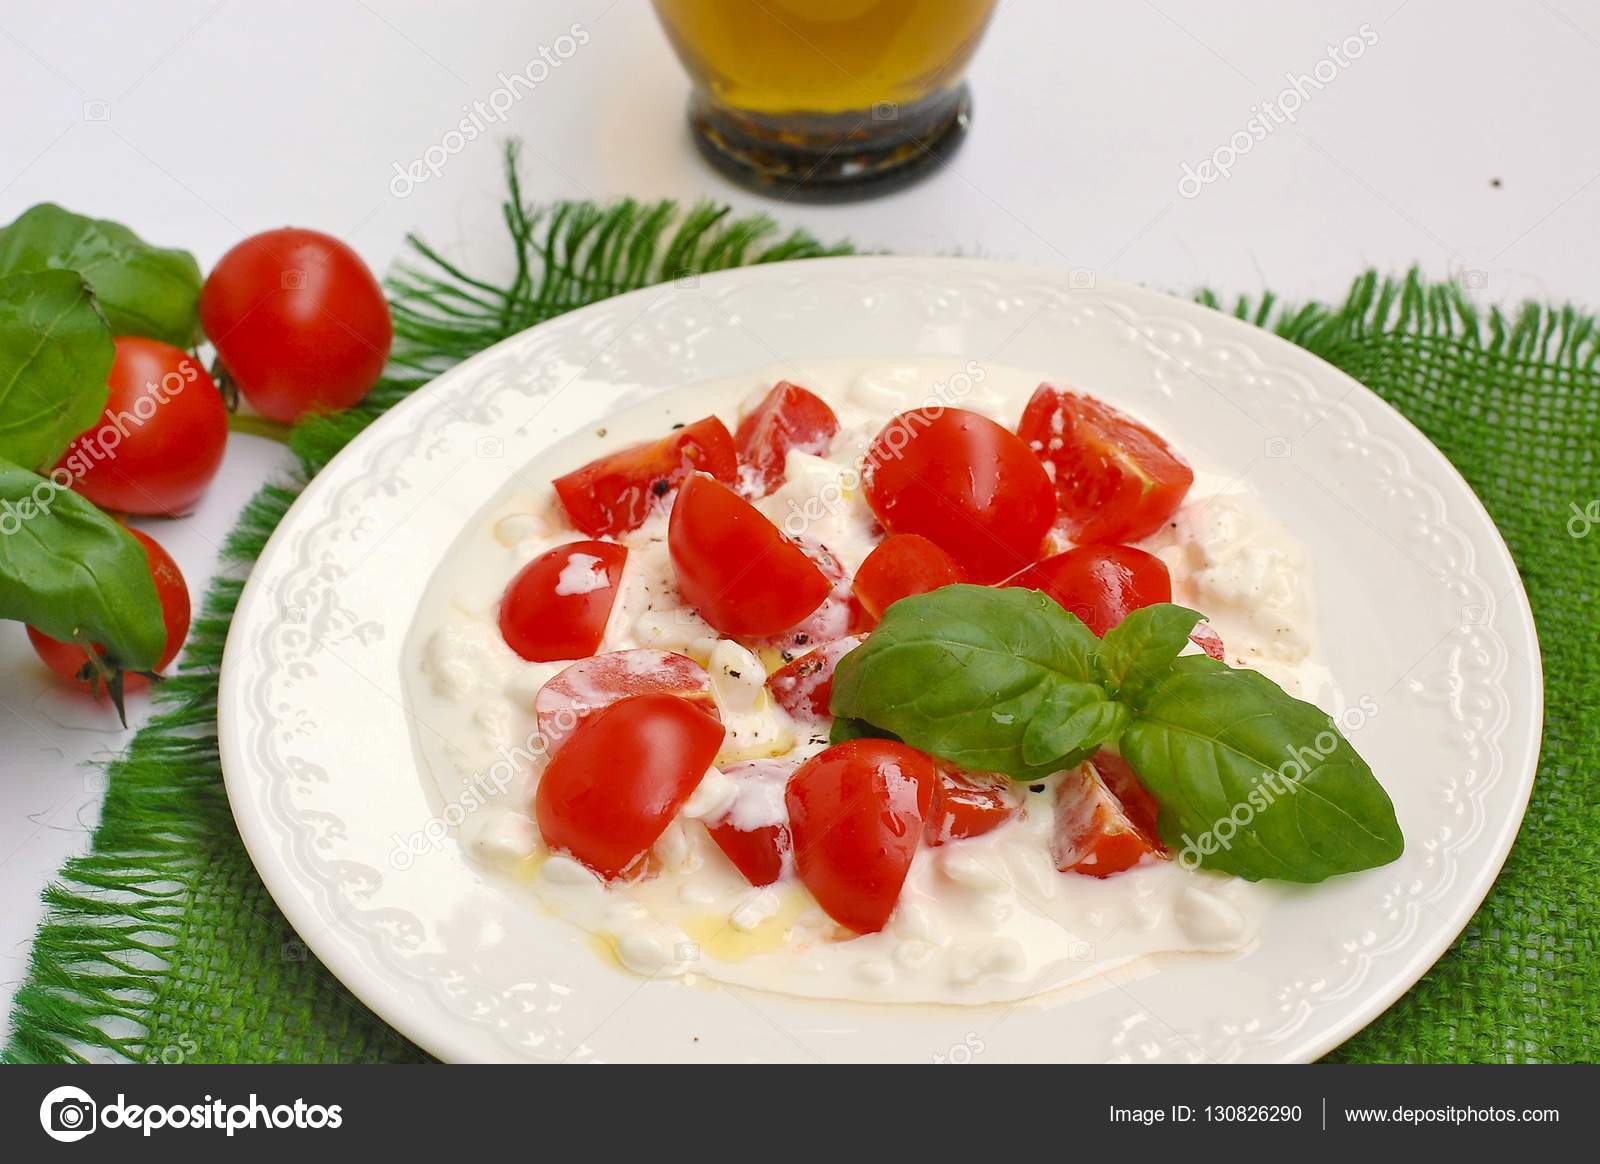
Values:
[(162, 944)]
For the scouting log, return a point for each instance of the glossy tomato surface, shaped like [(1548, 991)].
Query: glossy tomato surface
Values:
[(557, 605), (857, 812), (804, 686), (161, 438), (615, 493), (1099, 584), (839, 615), (753, 831), (969, 804), (590, 684), (69, 659), (898, 567), (1105, 819), (788, 417), (735, 567), (964, 483), (1115, 479), (298, 321), (618, 782)]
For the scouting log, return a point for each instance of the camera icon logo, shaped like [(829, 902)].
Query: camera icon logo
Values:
[(97, 110), (68, 1114), (293, 279)]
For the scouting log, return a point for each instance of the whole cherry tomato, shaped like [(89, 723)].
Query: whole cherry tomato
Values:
[(735, 567), (857, 812), (620, 779), (788, 417), (161, 438), (298, 321), (557, 605), (964, 483), (616, 492), (1115, 480), (1099, 584)]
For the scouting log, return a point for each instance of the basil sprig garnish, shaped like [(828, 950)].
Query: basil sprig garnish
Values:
[(1250, 780)]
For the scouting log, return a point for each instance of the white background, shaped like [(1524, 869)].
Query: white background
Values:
[(1461, 140)]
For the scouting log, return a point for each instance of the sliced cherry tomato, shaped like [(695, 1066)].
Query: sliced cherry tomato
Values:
[(70, 661), (616, 493), (754, 829), (839, 615), (964, 483), (1208, 641), (298, 321), (622, 777), (1115, 480), (557, 605), (857, 812), (788, 417), (735, 567), (804, 686), (591, 684), (902, 565), (1099, 584), (969, 804), (1105, 819), (161, 438)]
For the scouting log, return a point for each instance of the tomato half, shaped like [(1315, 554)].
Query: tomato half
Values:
[(898, 567), (735, 567), (618, 782), (615, 493), (964, 483), (1099, 584), (753, 831), (857, 812), (1115, 480), (1105, 819), (591, 684), (788, 417), (557, 605), (69, 660), (161, 438), (804, 686), (298, 321), (969, 804)]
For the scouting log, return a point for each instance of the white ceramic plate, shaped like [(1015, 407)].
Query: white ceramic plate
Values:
[(1420, 605)]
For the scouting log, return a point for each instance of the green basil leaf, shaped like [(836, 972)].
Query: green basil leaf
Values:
[(844, 728), (74, 573), (1076, 717), (963, 671), (55, 356), (143, 290), (1143, 645), (1254, 782)]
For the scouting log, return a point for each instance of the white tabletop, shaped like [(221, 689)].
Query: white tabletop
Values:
[(1458, 137)]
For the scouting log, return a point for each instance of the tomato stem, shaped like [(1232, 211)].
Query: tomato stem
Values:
[(273, 430)]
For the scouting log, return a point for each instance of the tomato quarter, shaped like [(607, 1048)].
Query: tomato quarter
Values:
[(1105, 819), (969, 804), (616, 493), (804, 686), (964, 483), (753, 831), (1115, 480), (898, 567), (1099, 584), (557, 605), (788, 417), (618, 782), (735, 567), (857, 812)]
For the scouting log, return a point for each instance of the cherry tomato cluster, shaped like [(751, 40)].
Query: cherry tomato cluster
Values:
[(299, 324), (959, 498)]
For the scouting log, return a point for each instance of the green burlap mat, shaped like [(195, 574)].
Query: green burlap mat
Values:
[(162, 944)]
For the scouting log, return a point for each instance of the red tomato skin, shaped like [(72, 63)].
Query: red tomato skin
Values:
[(857, 812), (158, 463), (839, 615), (622, 777), (298, 320), (760, 853), (969, 804), (542, 625), (1115, 479), (591, 684), (898, 567), (1105, 819), (67, 659), (804, 686), (1099, 584), (964, 483), (1209, 641), (615, 493), (735, 567), (788, 417)]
